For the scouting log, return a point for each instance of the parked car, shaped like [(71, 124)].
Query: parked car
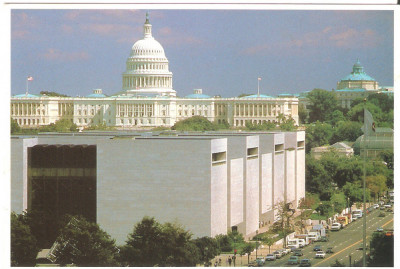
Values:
[(375, 206), (288, 250), (389, 210), (317, 248), (329, 250), (320, 254), (387, 206), (305, 263), (253, 264), (381, 214), (293, 260), (298, 252), (277, 254), (379, 229), (270, 257), (260, 261), (282, 251)]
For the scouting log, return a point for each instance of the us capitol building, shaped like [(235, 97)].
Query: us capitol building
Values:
[(147, 99)]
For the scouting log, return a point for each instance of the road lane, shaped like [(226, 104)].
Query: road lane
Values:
[(344, 242)]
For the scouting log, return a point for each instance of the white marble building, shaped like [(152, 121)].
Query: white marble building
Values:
[(210, 183), (147, 99)]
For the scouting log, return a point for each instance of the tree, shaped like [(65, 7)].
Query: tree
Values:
[(325, 208), (155, 244), (268, 240), (346, 131), (83, 243), (198, 123), (317, 179), (247, 250), (284, 215), (322, 105), (286, 123), (385, 102), (382, 250), (24, 246), (303, 114), (354, 192), (14, 128), (356, 113), (318, 134), (376, 185), (336, 117), (338, 201), (208, 248), (63, 125)]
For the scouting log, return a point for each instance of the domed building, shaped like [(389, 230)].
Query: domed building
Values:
[(147, 99), (147, 70), (357, 85)]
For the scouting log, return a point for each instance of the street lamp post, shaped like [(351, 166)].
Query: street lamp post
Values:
[(234, 251), (205, 256)]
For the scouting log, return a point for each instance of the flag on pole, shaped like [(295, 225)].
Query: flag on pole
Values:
[(369, 124), (259, 78), (29, 78)]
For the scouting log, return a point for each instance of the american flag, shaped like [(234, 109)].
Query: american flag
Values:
[(259, 78), (29, 78)]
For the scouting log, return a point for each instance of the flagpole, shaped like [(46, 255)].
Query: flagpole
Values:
[(364, 208), (26, 93), (258, 87)]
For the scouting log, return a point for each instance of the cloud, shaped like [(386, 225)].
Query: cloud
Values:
[(351, 38), (22, 24), (339, 37), (56, 55), (168, 36)]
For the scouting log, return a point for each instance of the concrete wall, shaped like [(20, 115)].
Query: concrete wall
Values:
[(219, 191), (252, 187), (19, 173), (300, 167), (169, 180)]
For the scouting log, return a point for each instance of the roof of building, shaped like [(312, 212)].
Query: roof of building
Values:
[(351, 90), (96, 95), (358, 73), (257, 96), (198, 96), (340, 145), (27, 95)]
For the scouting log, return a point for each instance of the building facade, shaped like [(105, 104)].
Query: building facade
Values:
[(210, 183), (147, 99)]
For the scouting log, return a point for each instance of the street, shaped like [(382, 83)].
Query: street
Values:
[(344, 242)]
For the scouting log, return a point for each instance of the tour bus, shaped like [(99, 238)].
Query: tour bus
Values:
[(357, 214)]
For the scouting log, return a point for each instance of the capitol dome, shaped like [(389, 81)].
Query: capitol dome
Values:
[(148, 47), (147, 68)]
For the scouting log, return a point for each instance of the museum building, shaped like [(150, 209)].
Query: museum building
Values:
[(210, 183)]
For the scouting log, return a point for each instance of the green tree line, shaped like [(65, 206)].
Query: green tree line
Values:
[(83, 243)]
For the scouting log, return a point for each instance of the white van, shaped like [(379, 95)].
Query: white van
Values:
[(293, 243), (335, 226), (357, 214)]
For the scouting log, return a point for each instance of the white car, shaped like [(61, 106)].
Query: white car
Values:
[(388, 205), (270, 257), (375, 206), (320, 254)]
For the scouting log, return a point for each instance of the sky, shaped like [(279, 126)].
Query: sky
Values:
[(223, 52)]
